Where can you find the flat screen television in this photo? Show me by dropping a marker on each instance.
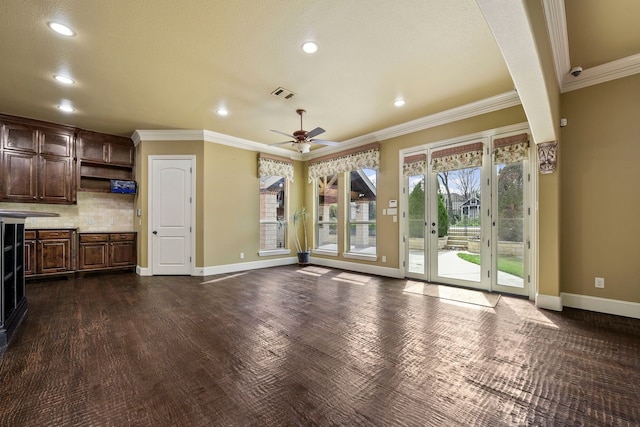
(123, 186)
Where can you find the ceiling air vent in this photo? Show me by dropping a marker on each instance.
(283, 93)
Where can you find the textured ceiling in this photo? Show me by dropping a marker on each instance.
(167, 64)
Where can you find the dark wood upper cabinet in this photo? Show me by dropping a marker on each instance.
(57, 143)
(19, 176)
(37, 161)
(56, 179)
(19, 137)
(108, 149)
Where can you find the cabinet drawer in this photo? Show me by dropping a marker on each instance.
(123, 236)
(54, 234)
(29, 234)
(84, 238)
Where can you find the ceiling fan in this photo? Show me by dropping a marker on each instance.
(302, 139)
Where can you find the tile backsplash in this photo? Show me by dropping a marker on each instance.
(94, 212)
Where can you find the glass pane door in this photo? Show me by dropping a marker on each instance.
(510, 231)
(456, 228)
(414, 235)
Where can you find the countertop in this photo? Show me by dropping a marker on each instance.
(25, 214)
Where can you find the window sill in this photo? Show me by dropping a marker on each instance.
(362, 257)
(273, 252)
(324, 252)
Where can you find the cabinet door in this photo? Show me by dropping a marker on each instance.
(19, 137)
(29, 257)
(96, 151)
(56, 142)
(19, 171)
(121, 154)
(123, 253)
(56, 180)
(93, 255)
(94, 251)
(54, 255)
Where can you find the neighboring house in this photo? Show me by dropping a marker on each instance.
(470, 208)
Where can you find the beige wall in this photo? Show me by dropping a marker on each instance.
(227, 200)
(600, 177)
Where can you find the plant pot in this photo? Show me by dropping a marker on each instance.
(304, 257)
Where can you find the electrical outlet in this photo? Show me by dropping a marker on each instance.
(599, 282)
(241, 255)
(384, 258)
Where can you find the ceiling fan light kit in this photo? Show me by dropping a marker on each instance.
(302, 139)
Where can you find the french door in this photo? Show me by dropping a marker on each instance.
(466, 214)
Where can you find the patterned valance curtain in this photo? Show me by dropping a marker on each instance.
(511, 149)
(275, 166)
(367, 157)
(460, 157)
(414, 165)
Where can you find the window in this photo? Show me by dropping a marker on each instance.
(273, 234)
(361, 218)
(327, 213)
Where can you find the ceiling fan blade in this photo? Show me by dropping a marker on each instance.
(316, 131)
(283, 133)
(325, 142)
(281, 143)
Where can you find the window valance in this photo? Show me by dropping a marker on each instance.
(269, 165)
(460, 157)
(414, 165)
(367, 156)
(511, 149)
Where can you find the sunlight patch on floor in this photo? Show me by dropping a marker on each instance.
(355, 279)
(223, 278)
(314, 271)
(529, 312)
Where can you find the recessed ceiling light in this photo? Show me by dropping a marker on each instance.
(64, 79)
(222, 112)
(61, 29)
(399, 102)
(66, 108)
(310, 47)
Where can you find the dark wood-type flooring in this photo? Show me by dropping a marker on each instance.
(312, 346)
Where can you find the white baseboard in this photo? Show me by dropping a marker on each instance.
(602, 305)
(358, 267)
(143, 271)
(549, 302)
(243, 266)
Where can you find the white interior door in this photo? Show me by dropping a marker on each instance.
(172, 215)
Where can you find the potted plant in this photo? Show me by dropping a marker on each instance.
(300, 216)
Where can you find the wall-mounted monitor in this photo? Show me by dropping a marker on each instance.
(123, 186)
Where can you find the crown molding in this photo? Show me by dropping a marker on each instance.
(556, 18)
(603, 73)
(210, 136)
(483, 106)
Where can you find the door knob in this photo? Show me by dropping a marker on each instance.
(155, 232)
(433, 231)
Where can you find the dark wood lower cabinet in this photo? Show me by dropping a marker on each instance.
(99, 251)
(49, 252)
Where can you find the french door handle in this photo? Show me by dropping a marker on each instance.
(433, 231)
